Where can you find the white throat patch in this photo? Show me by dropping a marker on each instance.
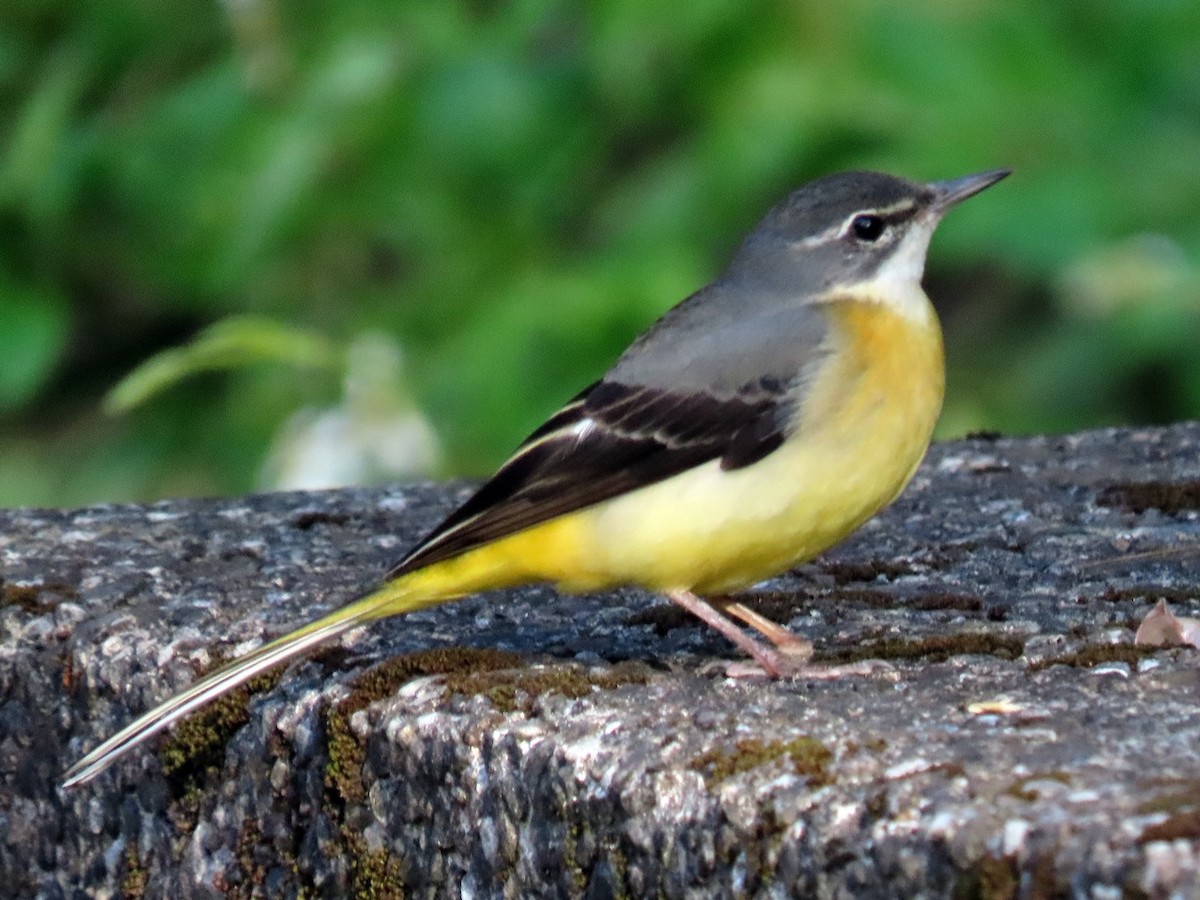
(897, 282)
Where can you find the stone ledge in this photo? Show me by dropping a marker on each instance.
(589, 746)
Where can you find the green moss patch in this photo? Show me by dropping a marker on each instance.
(198, 742)
(1148, 593)
(945, 600)
(257, 857)
(374, 874)
(1180, 826)
(937, 648)
(36, 598)
(194, 750)
(992, 878)
(377, 873)
(845, 572)
(1170, 795)
(808, 756)
(1171, 497)
(343, 773)
(516, 690)
(135, 877)
(1024, 789)
(1096, 654)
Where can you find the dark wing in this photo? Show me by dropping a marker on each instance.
(611, 439)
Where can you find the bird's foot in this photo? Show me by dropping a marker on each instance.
(809, 671)
(789, 656)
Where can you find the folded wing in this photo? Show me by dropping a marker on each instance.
(611, 439)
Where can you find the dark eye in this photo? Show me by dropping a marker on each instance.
(867, 227)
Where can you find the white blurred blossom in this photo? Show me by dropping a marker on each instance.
(375, 434)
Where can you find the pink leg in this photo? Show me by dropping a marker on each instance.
(705, 612)
(791, 645)
(788, 658)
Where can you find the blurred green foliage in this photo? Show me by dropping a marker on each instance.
(514, 190)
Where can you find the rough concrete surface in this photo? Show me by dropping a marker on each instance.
(593, 746)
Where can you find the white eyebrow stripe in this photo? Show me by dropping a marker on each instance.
(882, 212)
(836, 231)
(824, 237)
(903, 203)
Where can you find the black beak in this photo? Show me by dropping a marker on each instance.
(947, 193)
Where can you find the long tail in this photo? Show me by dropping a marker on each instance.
(393, 597)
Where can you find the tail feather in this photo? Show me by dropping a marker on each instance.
(391, 598)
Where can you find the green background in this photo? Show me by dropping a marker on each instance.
(511, 191)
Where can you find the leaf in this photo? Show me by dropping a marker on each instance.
(234, 343)
(33, 334)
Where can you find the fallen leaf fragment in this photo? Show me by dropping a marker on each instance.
(1162, 628)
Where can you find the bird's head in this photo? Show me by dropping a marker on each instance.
(851, 233)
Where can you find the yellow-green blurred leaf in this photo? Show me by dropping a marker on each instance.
(230, 344)
(33, 333)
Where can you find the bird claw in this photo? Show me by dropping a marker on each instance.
(803, 669)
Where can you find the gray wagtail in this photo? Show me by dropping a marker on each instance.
(754, 425)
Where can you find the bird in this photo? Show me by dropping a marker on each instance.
(754, 425)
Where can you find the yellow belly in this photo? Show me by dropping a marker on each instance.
(866, 423)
